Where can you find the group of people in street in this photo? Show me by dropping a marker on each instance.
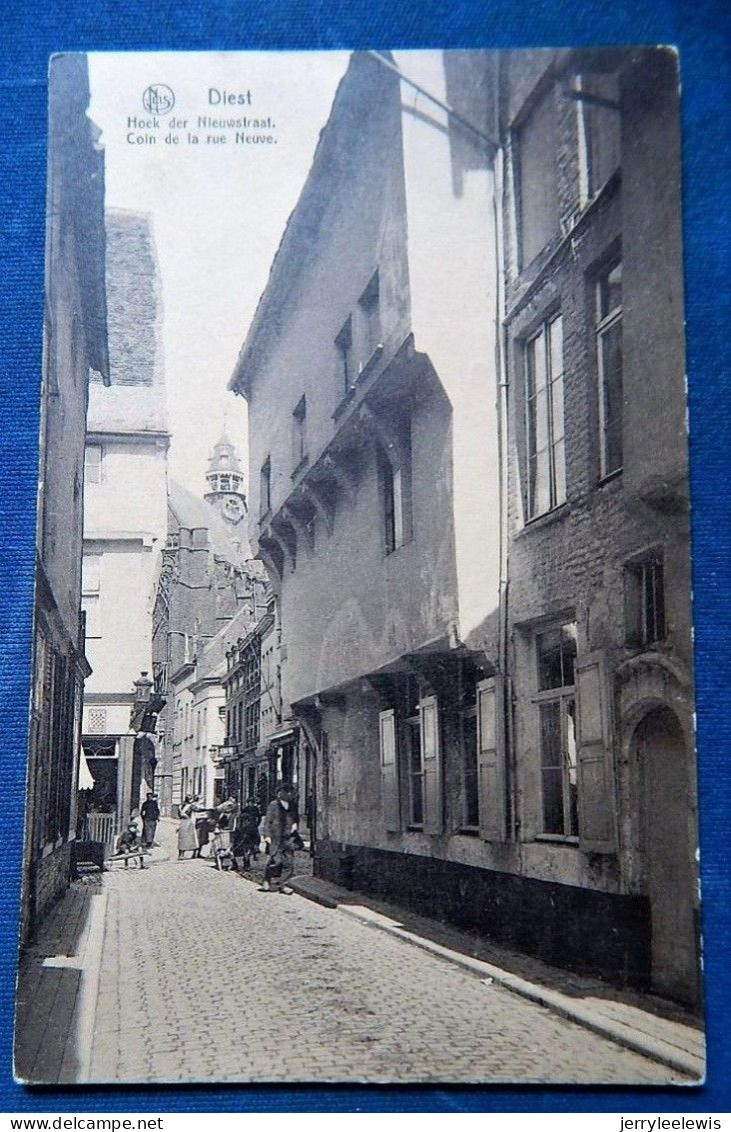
(139, 836)
(238, 832)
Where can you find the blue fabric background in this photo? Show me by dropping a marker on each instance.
(700, 28)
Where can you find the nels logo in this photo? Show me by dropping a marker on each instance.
(158, 99)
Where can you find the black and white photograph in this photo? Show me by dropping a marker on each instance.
(362, 726)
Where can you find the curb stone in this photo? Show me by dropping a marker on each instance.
(682, 1061)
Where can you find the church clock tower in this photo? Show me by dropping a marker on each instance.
(225, 486)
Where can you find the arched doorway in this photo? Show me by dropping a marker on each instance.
(666, 840)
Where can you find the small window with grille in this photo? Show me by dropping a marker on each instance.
(644, 583)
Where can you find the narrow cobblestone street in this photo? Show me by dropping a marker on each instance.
(204, 978)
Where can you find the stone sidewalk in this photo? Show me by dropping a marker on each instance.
(197, 976)
(642, 1022)
(56, 992)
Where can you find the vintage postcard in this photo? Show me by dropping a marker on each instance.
(361, 742)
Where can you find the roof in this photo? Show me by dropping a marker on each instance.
(364, 82)
(212, 661)
(191, 512)
(224, 457)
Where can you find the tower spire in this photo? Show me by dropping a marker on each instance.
(225, 480)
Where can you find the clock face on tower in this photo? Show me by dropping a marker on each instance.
(233, 508)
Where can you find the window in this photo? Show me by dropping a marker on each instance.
(645, 602)
(556, 705)
(544, 418)
(598, 130)
(423, 767)
(536, 143)
(609, 368)
(251, 737)
(344, 346)
(299, 432)
(97, 721)
(412, 727)
(160, 676)
(416, 773)
(265, 487)
(91, 565)
(395, 476)
(394, 511)
(93, 463)
(370, 319)
(470, 817)
(251, 676)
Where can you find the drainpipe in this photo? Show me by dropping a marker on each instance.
(497, 156)
(503, 450)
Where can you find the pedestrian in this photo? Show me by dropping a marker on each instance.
(227, 812)
(128, 841)
(187, 840)
(150, 814)
(205, 822)
(245, 844)
(279, 826)
(136, 821)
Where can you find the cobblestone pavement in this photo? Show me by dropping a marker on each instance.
(204, 978)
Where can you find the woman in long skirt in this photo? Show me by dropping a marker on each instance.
(246, 835)
(187, 839)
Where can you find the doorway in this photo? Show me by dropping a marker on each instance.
(667, 843)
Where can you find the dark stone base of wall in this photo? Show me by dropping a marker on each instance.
(594, 933)
(53, 874)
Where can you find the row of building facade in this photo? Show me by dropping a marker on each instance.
(141, 586)
(75, 346)
(169, 587)
(469, 486)
(454, 610)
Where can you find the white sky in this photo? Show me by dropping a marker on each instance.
(218, 211)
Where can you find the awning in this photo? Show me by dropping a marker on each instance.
(86, 778)
(286, 735)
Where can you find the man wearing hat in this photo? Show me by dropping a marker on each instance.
(279, 825)
(150, 813)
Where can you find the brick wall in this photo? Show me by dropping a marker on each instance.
(52, 878)
(570, 563)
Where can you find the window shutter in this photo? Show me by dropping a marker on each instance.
(597, 810)
(398, 508)
(389, 771)
(432, 762)
(491, 759)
